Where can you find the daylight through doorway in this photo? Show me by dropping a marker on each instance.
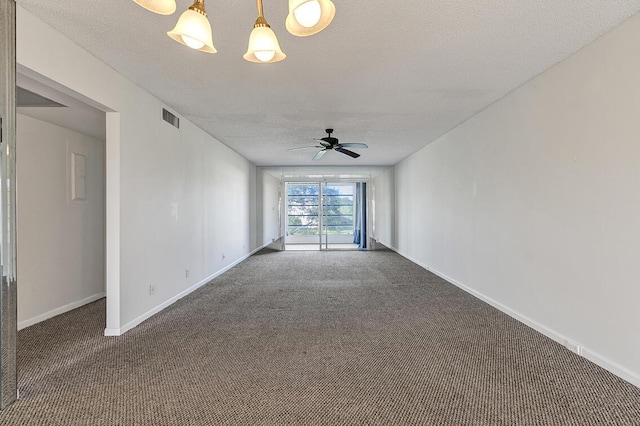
(321, 216)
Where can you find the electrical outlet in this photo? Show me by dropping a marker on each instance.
(573, 347)
(152, 289)
(186, 273)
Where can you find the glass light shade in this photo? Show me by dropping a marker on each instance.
(305, 8)
(263, 46)
(308, 13)
(161, 7)
(193, 30)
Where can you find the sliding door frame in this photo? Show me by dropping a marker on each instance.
(323, 245)
(8, 290)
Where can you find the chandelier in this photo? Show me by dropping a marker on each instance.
(306, 17)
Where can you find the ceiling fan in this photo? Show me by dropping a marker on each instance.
(328, 143)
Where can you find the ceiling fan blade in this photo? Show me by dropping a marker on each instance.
(320, 154)
(347, 152)
(354, 145)
(305, 147)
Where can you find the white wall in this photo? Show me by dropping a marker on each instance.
(60, 242)
(534, 203)
(269, 214)
(176, 199)
(383, 199)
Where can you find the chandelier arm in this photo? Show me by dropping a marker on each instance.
(259, 6)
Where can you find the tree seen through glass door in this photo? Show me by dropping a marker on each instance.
(304, 209)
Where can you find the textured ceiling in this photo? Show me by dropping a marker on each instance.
(395, 75)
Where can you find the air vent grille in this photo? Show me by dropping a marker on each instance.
(170, 118)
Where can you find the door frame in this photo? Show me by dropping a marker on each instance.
(8, 292)
(321, 184)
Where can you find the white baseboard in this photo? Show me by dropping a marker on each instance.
(120, 331)
(60, 310)
(607, 364)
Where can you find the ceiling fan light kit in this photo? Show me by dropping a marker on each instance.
(161, 7)
(193, 29)
(306, 17)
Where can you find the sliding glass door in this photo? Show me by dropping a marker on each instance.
(320, 216)
(303, 220)
(338, 215)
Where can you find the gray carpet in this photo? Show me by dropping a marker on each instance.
(331, 338)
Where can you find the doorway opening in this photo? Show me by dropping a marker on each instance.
(322, 216)
(61, 202)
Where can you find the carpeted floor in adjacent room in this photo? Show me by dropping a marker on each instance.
(313, 338)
